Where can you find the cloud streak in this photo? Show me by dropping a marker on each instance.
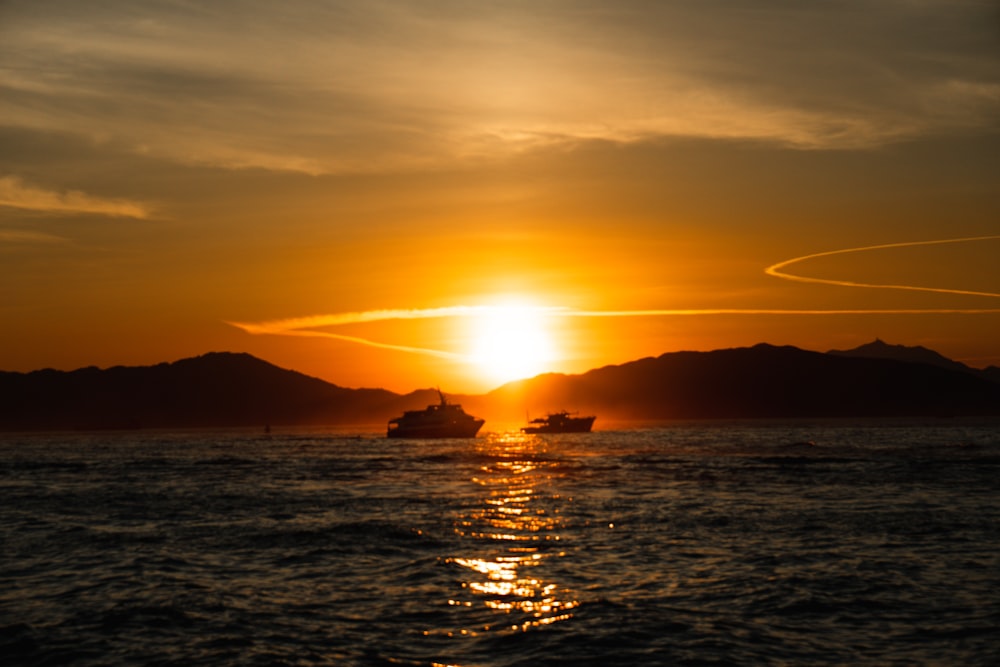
(18, 236)
(15, 193)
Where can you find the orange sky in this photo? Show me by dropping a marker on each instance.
(177, 179)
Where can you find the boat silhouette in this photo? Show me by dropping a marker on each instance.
(559, 422)
(444, 420)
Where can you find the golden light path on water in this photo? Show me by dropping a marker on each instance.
(510, 536)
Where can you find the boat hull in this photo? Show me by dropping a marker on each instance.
(465, 430)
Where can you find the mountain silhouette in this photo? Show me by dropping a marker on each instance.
(238, 390)
(215, 389)
(879, 349)
(763, 381)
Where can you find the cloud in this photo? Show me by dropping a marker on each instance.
(20, 236)
(15, 193)
(383, 85)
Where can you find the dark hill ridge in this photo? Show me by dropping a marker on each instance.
(216, 389)
(763, 382)
(238, 390)
(879, 349)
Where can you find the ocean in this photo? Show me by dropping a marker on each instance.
(764, 543)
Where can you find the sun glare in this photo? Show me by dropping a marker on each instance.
(511, 342)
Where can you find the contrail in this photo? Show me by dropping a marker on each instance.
(305, 326)
(301, 327)
(778, 311)
(338, 319)
(309, 325)
(776, 269)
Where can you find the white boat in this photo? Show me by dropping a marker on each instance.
(444, 420)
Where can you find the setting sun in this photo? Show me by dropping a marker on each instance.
(511, 342)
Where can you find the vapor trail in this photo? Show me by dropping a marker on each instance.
(301, 326)
(778, 311)
(338, 319)
(776, 269)
(309, 325)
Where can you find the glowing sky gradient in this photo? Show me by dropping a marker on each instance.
(311, 325)
(342, 188)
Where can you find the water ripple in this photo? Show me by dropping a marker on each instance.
(687, 545)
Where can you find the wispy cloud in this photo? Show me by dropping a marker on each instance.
(20, 236)
(385, 85)
(14, 192)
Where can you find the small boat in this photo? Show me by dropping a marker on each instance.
(444, 420)
(560, 422)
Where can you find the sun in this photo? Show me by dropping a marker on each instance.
(511, 342)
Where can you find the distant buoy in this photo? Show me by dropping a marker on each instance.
(801, 443)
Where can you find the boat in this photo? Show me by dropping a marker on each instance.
(559, 422)
(444, 420)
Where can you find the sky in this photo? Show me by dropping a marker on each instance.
(456, 194)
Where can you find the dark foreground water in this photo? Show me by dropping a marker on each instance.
(689, 545)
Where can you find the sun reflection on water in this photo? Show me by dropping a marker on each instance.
(512, 535)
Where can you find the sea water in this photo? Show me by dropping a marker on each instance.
(693, 544)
